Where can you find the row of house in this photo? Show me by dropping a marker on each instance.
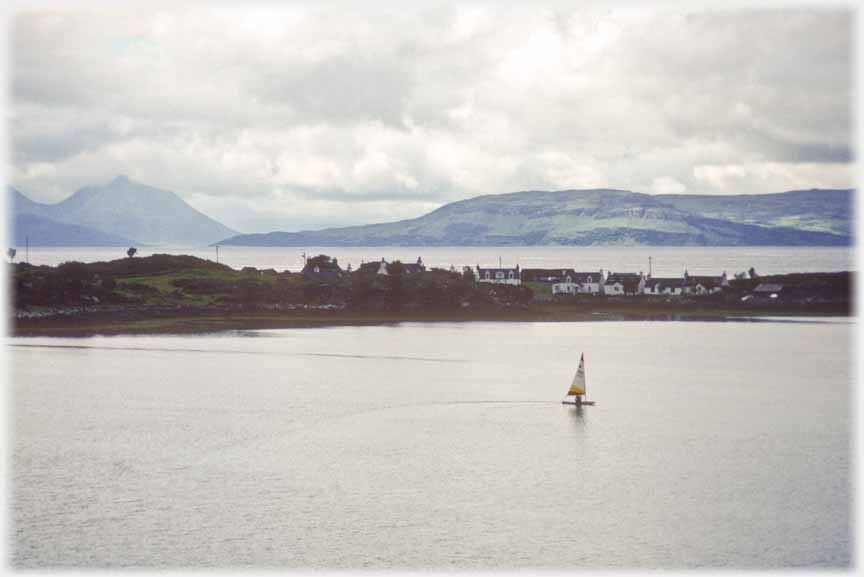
(328, 271)
(570, 281)
(562, 281)
(382, 267)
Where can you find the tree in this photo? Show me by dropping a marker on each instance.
(11, 253)
(396, 268)
(131, 252)
(752, 272)
(322, 261)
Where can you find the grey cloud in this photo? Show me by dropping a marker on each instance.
(370, 107)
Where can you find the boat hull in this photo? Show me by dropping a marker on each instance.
(577, 404)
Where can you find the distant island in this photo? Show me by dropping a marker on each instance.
(122, 212)
(602, 217)
(126, 212)
(170, 293)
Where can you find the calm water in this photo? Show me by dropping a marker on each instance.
(436, 446)
(667, 261)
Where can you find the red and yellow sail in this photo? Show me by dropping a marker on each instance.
(577, 387)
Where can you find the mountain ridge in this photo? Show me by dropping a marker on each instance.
(816, 217)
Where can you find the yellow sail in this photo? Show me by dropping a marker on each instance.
(577, 387)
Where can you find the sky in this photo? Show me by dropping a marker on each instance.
(298, 116)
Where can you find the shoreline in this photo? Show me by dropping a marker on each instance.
(167, 294)
(136, 322)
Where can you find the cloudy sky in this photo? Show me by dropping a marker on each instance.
(304, 116)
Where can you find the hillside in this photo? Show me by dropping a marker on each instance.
(127, 209)
(40, 231)
(814, 210)
(600, 217)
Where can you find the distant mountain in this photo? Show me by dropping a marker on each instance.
(40, 231)
(601, 217)
(20, 204)
(127, 209)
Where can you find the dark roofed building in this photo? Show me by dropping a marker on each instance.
(414, 268)
(705, 284)
(322, 269)
(624, 283)
(374, 267)
(548, 275)
(765, 288)
(664, 286)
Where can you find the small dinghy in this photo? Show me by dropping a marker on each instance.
(577, 387)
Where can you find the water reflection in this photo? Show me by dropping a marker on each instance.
(577, 414)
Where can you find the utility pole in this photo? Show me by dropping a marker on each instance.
(27, 249)
(499, 263)
(217, 254)
(649, 266)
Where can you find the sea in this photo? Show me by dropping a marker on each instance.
(441, 446)
(660, 261)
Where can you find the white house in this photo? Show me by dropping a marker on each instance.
(664, 286)
(702, 285)
(580, 283)
(499, 275)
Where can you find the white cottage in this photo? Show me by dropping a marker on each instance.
(664, 286)
(580, 283)
(499, 275)
(705, 285)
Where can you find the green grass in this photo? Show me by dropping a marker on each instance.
(163, 283)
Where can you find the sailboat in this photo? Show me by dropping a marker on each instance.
(577, 387)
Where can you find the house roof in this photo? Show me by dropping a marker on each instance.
(494, 270)
(582, 277)
(706, 281)
(370, 267)
(630, 281)
(413, 267)
(326, 272)
(546, 274)
(665, 282)
(622, 277)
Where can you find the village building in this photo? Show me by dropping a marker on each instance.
(622, 283)
(548, 275)
(768, 290)
(414, 268)
(580, 283)
(702, 285)
(322, 270)
(664, 286)
(374, 267)
(499, 275)
(381, 267)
